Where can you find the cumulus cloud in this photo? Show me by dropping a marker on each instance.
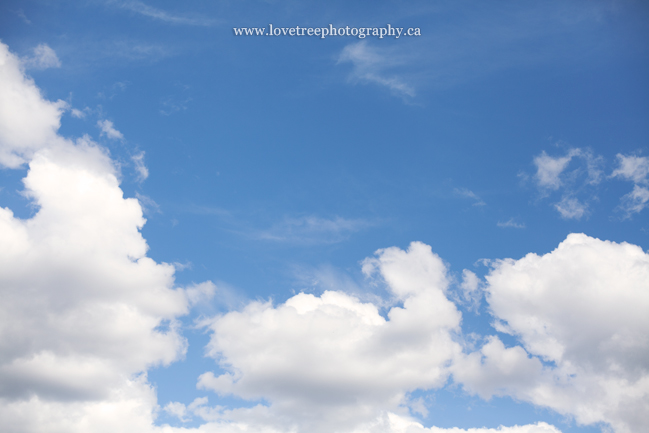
(108, 129)
(331, 362)
(85, 312)
(582, 310)
(370, 65)
(26, 119)
(43, 57)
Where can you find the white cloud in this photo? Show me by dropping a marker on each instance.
(392, 423)
(79, 114)
(510, 223)
(635, 169)
(312, 230)
(331, 363)
(464, 192)
(369, 65)
(635, 201)
(162, 15)
(549, 169)
(471, 289)
(26, 119)
(576, 185)
(182, 412)
(140, 168)
(581, 308)
(44, 57)
(84, 311)
(108, 129)
(571, 208)
(148, 205)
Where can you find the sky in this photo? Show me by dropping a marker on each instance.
(441, 232)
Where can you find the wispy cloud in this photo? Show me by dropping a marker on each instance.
(22, 16)
(511, 223)
(635, 169)
(108, 129)
(149, 206)
(370, 65)
(464, 192)
(471, 290)
(571, 208)
(171, 105)
(574, 174)
(43, 57)
(162, 15)
(140, 167)
(79, 114)
(312, 230)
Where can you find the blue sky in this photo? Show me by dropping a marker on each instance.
(487, 182)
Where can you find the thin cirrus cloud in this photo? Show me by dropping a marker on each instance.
(85, 315)
(511, 223)
(446, 55)
(161, 15)
(312, 230)
(372, 65)
(464, 192)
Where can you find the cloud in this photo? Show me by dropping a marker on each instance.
(549, 169)
(635, 201)
(312, 230)
(577, 185)
(470, 290)
(162, 15)
(26, 119)
(580, 313)
(44, 57)
(464, 192)
(22, 16)
(84, 311)
(171, 105)
(331, 362)
(369, 65)
(138, 160)
(635, 169)
(511, 223)
(79, 114)
(108, 129)
(571, 208)
(148, 205)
